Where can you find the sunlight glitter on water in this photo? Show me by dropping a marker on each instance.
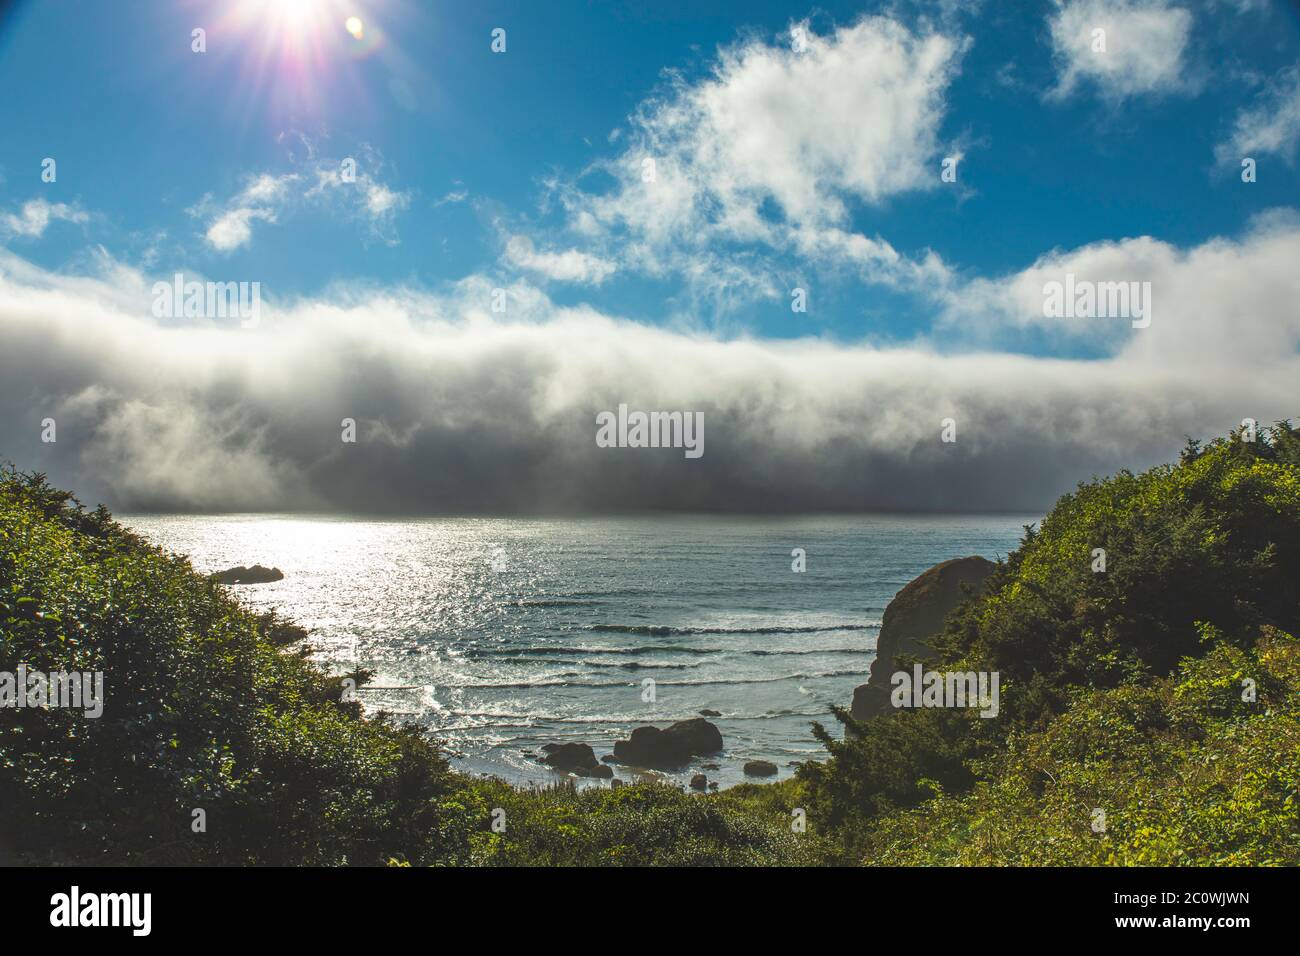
(500, 635)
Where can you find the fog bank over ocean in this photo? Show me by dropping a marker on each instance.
(460, 411)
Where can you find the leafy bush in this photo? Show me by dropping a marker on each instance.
(1184, 771)
(643, 824)
(1200, 557)
(203, 711)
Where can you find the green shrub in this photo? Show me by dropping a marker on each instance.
(642, 825)
(1185, 772)
(204, 711)
(1199, 557)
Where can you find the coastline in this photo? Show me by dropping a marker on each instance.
(565, 642)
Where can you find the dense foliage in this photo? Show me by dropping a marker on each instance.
(648, 823)
(1181, 771)
(203, 712)
(1201, 584)
(1149, 712)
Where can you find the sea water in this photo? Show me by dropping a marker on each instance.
(499, 635)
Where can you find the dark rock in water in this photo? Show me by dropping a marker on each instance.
(710, 766)
(713, 785)
(615, 783)
(916, 614)
(609, 758)
(254, 575)
(571, 757)
(710, 713)
(699, 782)
(760, 768)
(672, 747)
(600, 771)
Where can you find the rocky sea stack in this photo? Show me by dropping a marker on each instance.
(915, 615)
(661, 749)
(577, 759)
(254, 575)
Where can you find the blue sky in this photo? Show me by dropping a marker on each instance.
(645, 188)
(143, 129)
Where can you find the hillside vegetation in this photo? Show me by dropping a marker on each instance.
(1148, 713)
(1121, 690)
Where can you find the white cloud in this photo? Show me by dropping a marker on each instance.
(570, 265)
(266, 197)
(1219, 305)
(380, 200)
(1272, 126)
(233, 228)
(267, 188)
(35, 216)
(230, 225)
(874, 259)
(454, 196)
(362, 195)
(773, 147)
(1145, 45)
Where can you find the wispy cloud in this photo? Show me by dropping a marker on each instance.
(230, 224)
(233, 228)
(453, 196)
(35, 216)
(1270, 126)
(348, 186)
(352, 187)
(570, 265)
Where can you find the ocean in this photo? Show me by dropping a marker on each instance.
(499, 635)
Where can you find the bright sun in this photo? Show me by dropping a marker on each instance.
(297, 12)
(294, 19)
(297, 47)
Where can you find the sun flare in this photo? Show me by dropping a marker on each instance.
(291, 14)
(300, 50)
(299, 22)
